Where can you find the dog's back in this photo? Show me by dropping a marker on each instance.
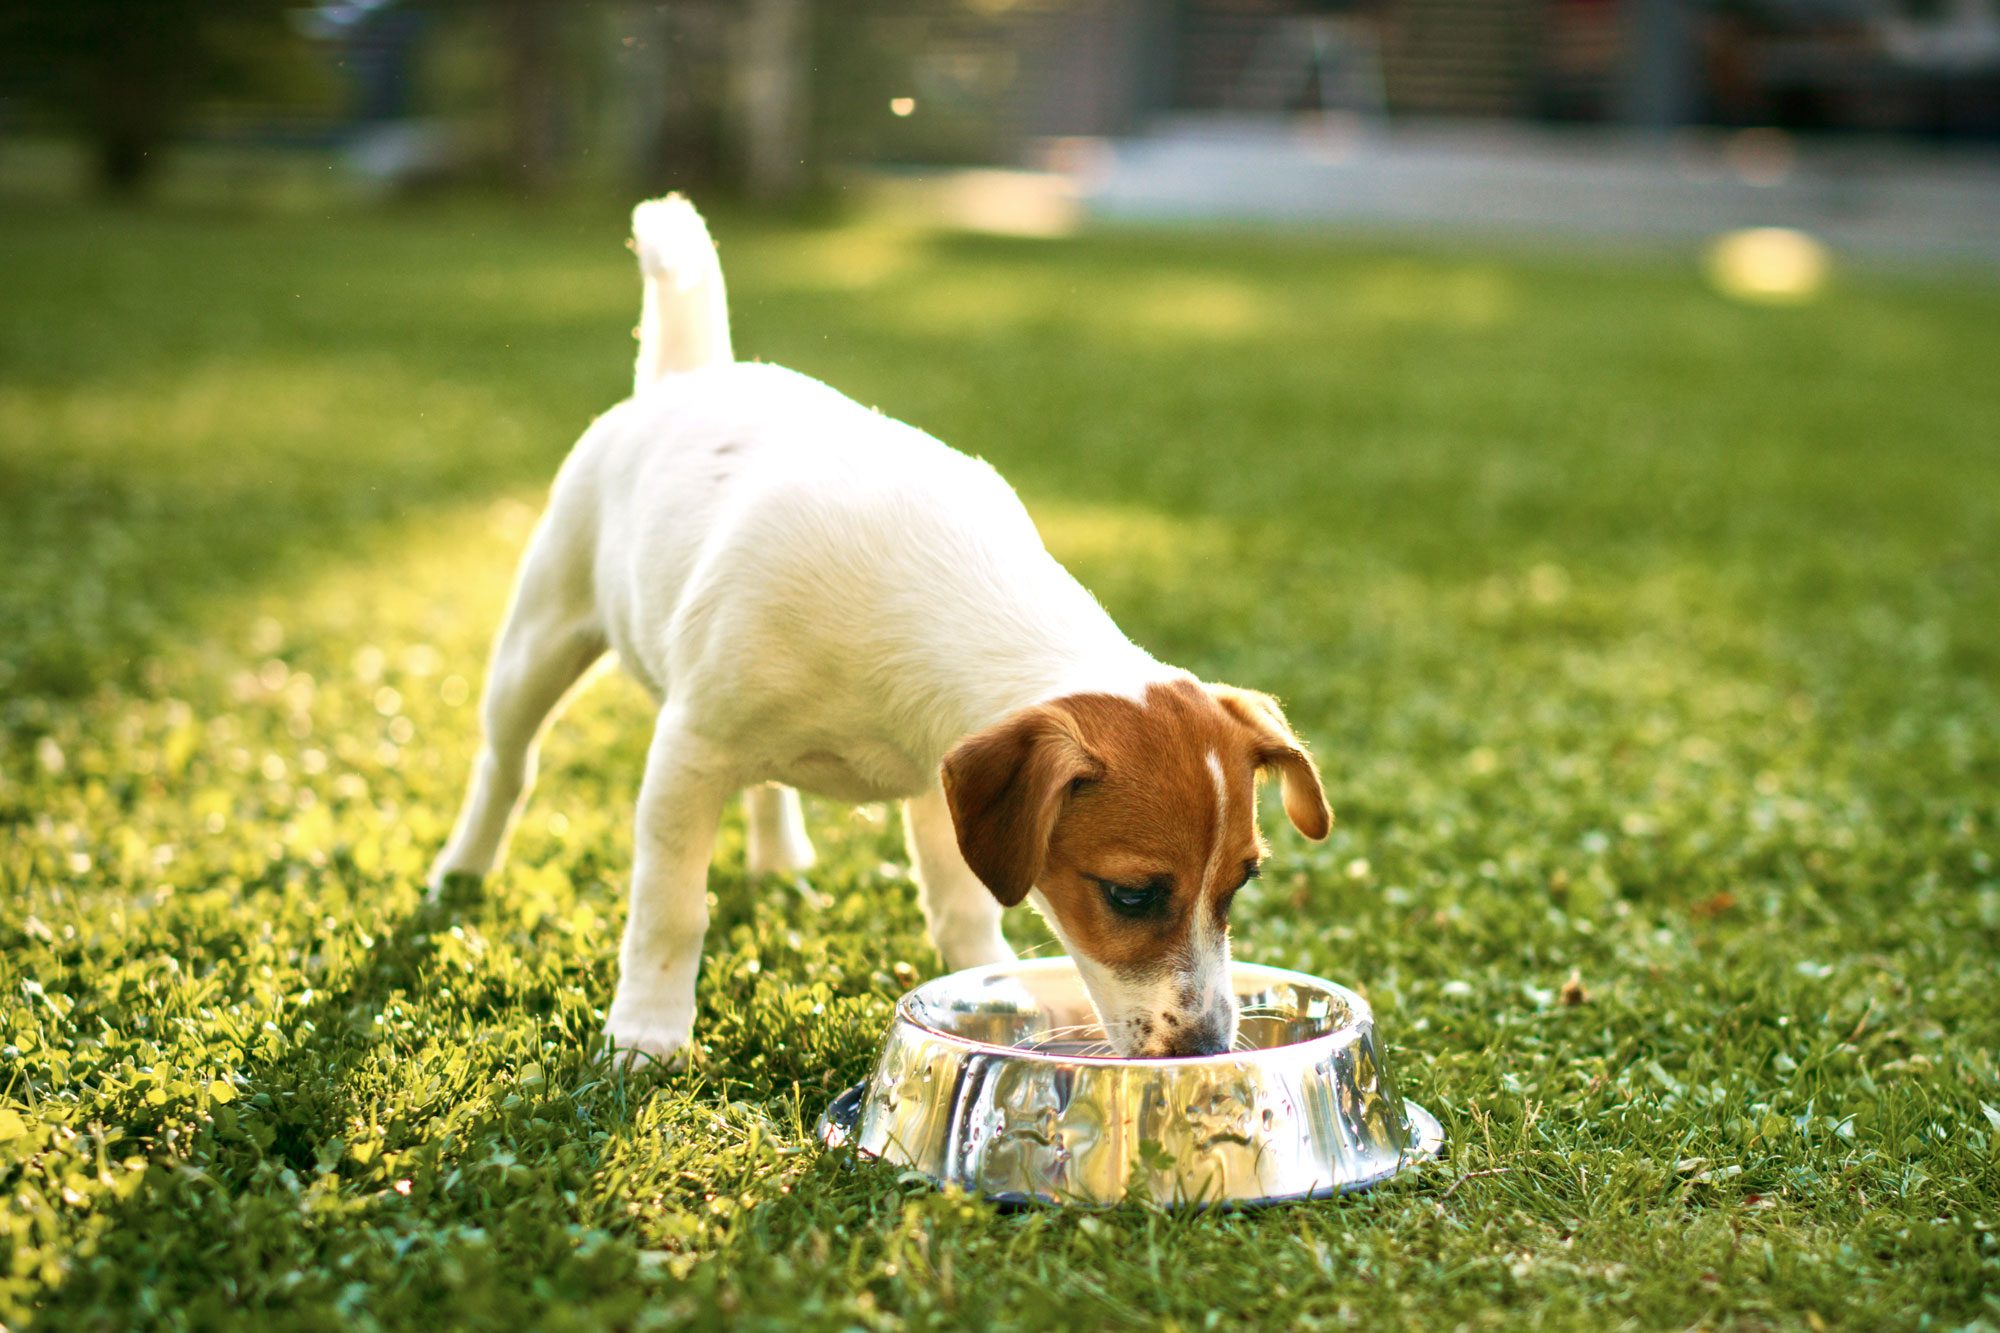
(763, 543)
(764, 547)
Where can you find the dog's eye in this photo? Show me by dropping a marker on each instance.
(1135, 901)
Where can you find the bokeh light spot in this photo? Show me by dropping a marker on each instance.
(1770, 265)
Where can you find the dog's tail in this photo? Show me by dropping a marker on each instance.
(684, 321)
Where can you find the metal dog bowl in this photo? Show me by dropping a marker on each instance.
(998, 1080)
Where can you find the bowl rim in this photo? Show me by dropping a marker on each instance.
(1361, 1018)
(836, 1125)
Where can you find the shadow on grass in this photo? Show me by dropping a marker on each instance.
(187, 1241)
(167, 439)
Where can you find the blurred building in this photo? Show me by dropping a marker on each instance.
(1869, 123)
(770, 96)
(1098, 67)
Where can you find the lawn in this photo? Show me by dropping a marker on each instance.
(1644, 638)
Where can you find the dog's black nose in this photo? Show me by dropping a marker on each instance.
(1198, 1041)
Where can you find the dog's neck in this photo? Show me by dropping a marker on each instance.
(1125, 670)
(1068, 645)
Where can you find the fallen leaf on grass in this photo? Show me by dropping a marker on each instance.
(1714, 906)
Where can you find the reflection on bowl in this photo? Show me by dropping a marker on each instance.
(999, 1080)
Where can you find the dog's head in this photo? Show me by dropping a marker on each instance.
(1136, 822)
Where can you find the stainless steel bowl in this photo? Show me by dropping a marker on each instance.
(997, 1080)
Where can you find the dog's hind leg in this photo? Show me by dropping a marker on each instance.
(680, 801)
(964, 915)
(775, 831)
(550, 639)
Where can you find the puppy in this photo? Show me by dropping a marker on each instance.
(824, 599)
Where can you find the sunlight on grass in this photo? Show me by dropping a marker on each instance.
(1673, 673)
(1199, 308)
(970, 304)
(847, 259)
(512, 297)
(1175, 307)
(1104, 538)
(1446, 296)
(131, 422)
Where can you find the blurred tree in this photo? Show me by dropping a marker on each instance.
(528, 48)
(717, 91)
(533, 92)
(673, 83)
(126, 73)
(722, 91)
(772, 97)
(959, 62)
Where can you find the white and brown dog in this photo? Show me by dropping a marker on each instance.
(825, 598)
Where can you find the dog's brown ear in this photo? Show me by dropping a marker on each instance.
(1006, 786)
(1277, 747)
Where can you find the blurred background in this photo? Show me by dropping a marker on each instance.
(1870, 123)
(1581, 413)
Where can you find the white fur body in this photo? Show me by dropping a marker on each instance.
(817, 596)
(833, 597)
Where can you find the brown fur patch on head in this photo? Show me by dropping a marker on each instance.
(1006, 786)
(1096, 798)
(1277, 747)
(1173, 805)
(1098, 788)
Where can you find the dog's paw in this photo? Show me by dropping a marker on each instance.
(455, 862)
(639, 1045)
(452, 887)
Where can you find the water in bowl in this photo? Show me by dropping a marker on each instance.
(1051, 1014)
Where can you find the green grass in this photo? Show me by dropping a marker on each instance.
(1641, 635)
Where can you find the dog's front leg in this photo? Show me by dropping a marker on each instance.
(680, 801)
(964, 915)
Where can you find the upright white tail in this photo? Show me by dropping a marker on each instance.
(684, 321)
